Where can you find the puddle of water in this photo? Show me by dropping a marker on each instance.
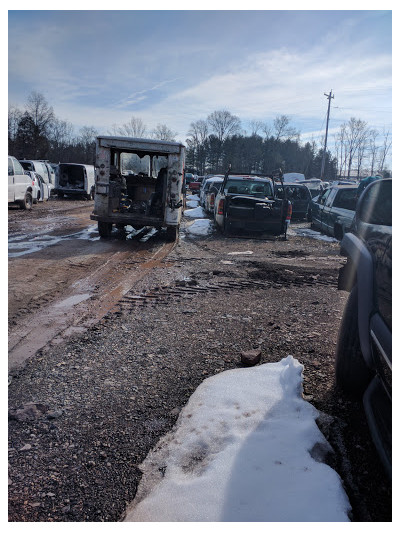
(28, 244)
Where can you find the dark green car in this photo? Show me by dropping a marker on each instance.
(332, 212)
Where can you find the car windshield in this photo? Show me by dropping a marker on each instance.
(249, 187)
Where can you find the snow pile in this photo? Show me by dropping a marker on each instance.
(241, 451)
(201, 227)
(192, 203)
(198, 212)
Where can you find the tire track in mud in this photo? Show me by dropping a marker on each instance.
(88, 300)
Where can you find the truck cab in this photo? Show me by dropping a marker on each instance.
(139, 182)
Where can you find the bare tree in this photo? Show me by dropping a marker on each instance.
(354, 132)
(387, 143)
(42, 114)
(267, 130)
(283, 130)
(163, 133)
(14, 117)
(223, 124)
(373, 149)
(135, 127)
(198, 134)
(256, 126)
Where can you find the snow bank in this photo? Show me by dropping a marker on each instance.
(240, 451)
(201, 227)
(198, 212)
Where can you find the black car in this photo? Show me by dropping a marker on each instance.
(299, 196)
(364, 348)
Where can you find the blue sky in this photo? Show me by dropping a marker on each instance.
(99, 68)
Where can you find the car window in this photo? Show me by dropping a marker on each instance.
(346, 199)
(376, 204)
(253, 188)
(18, 168)
(10, 167)
(322, 199)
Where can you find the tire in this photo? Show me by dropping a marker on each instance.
(172, 233)
(105, 229)
(60, 195)
(351, 371)
(27, 202)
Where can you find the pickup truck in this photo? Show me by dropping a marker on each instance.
(332, 212)
(364, 347)
(251, 203)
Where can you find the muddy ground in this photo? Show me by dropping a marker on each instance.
(152, 323)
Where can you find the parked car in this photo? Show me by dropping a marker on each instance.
(364, 347)
(20, 185)
(299, 196)
(196, 184)
(189, 177)
(332, 212)
(314, 185)
(210, 196)
(51, 173)
(75, 179)
(251, 203)
(205, 186)
(40, 189)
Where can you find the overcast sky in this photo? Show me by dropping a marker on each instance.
(99, 68)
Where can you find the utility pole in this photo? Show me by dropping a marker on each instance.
(329, 96)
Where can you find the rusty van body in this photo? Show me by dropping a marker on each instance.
(139, 182)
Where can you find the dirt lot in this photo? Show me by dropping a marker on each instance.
(138, 326)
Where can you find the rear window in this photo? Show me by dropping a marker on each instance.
(249, 187)
(346, 199)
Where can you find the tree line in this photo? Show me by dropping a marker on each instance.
(212, 144)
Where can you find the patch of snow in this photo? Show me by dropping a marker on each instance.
(248, 252)
(306, 232)
(192, 203)
(198, 212)
(241, 451)
(201, 227)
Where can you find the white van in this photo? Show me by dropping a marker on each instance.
(36, 166)
(20, 185)
(75, 179)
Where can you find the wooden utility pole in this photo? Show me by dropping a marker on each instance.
(329, 96)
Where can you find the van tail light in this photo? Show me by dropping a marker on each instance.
(212, 199)
(289, 212)
(221, 207)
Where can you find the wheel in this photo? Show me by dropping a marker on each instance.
(26, 203)
(352, 373)
(60, 194)
(104, 229)
(309, 216)
(172, 233)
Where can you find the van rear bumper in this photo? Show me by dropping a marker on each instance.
(129, 219)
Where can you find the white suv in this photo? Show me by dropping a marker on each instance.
(20, 186)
